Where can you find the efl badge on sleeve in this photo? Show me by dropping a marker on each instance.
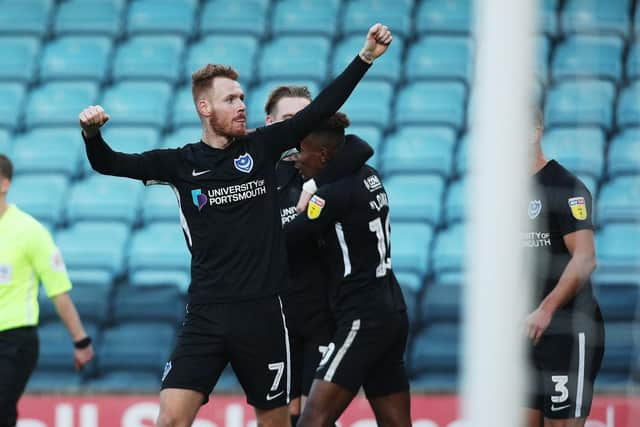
(315, 207)
(578, 208)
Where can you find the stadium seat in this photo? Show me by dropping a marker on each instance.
(56, 351)
(94, 278)
(462, 156)
(543, 48)
(159, 246)
(94, 246)
(548, 18)
(161, 17)
(624, 153)
(257, 98)
(12, 95)
(25, 17)
(373, 136)
(595, 16)
(148, 58)
(633, 61)
(618, 354)
(184, 135)
(579, 149)
(448, 252)
(307, 17)
(27, 192)
(441, 303)
(125, 382)
(48, 150)
(618, 303)
(222, 16)
(370, 104)
(407, 256)
(431, 103)
(628, 107)
(416, 197)
(418, 149)
(619, 200)
(160, 304)
(93, 304)
(589, 56)
(104, 198)
(159, 204)
(388, 67)
(179, 279)
(359, 15)
(436, 349)
(440, 57)
(237, 51)
(618, 254)
(138, 103)
(44, 380)
(183, 111)
(443, 16)
(100, 17)
(19, 58)
(288, 57)
(408, 280)
(59, 103)
(454, 205)
(586, 102)
(5, 141)
(76, 58)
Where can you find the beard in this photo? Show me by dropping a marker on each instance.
(225, 129)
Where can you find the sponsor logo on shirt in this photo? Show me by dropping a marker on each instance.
(244, 163)
(535, 206)
(288, 214)
(578, 208)
(372, 183)
(236, 193)
(198, 198)
(536, 239)
(316, 204)
(5, 273)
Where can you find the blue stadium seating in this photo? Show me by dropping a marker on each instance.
(436, 353)
(443, 16)
(59, 103)
(92, 302)
(462, 155)
(586, 102)
(454, 205)
(359, 15)
(125, 381)
(628, 108)
(289, 57)
(448, 252)
(373, 136)
(388, 67)
(158, 246)
(184, 111)
(19, 58)
(370, 104)
(440, 57)
(305, 17)
(160, 304)
(431, 103)
(44, 381)
(5, 141)
(48, 150)
(12, 95)
(25, 16)
(633, 61)
(408, 281)
(161, 17)
(618, 303)
(594, 16)
(182, 136)
(104, 198)
(138, 103)
(589, 56)
(159, 204)
(179, 279)
(415, 197)
(406, 255)
(27, 193)
(410, 296)
(548, 18)
(636, 22)
(237, 51)
(100, 17)
(85, 58)
(420, 150)
(619, 200)
(257, 98)
(94, 246)
(543, 48)
(579, 149)
(149, 57)
(624, 153)
(617, 361)
(222, 16)
(618, 254)
(441, 303)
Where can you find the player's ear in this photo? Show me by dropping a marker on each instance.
(204, 108)
(4, 185)
(269, 120)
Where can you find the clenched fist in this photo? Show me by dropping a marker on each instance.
(378, 40)
(91, 120)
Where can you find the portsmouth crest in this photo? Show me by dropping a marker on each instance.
(316, 204)
(244, 163)
(535, 206)
(578, 208)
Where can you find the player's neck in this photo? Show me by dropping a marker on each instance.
(214, 140)
(3, 205)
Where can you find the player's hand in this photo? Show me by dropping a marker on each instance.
(538, 322)
(378, 40)
(303, 201)
(82, 356)
(91, 120)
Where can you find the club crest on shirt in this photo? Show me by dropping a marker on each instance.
(244, 163)
(578, 208)
(315, 207)
(535, 206)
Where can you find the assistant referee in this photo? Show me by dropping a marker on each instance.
(28, 255)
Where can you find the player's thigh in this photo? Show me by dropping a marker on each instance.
(276, 417)
(576, 422)
(533, 418)
(314, 348)
(393, 410)
(260, 352)
(326, 402)
(178, 407)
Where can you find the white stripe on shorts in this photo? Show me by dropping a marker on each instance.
(288, 351)
(581, 353)
(355, 327)
(344, 248)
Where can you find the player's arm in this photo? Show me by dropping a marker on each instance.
(288, 133)
(154, 165)
(579, 238)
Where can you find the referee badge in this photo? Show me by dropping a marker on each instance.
(578, 208)
(315, 207)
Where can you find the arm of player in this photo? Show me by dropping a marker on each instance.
(351, 157)
(288, 133)
(69, 316)
(154, 165)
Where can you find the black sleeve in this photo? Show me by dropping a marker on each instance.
(154, 165)
(574, 207)
(351, 157)
(288, 133)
